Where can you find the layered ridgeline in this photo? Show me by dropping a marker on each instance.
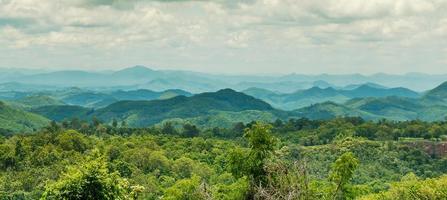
(304, 98)
(224, 106)
(140, 77)
(83, 97)
(430, 106)
(14, 120)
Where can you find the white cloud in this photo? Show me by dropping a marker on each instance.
(209, 30)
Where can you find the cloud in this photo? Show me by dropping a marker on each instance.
(212, 29)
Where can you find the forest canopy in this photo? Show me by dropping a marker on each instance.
(343, 158)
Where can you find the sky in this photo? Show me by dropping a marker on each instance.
(227, 36)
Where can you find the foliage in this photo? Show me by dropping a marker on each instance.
(341, 174)
(299, 158)
(413, 188)
(92, 181)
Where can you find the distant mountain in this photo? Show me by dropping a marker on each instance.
(136, 72)
(261, 93)
(430, 107)
(15, 120)
(67, 78)
(355, 86)
(314, 95)
(95, 99)
(141, 113)
(140, 77)
(371, 91)
(329, 110)
(35, 101)
(22, 87)
(394, 108)
(227, 106)
(279, 86)
(88, 99)
(62, 112)
(437, 95)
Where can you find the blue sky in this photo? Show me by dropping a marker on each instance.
(227, 36)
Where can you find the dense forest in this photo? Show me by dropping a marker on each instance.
(342, 158)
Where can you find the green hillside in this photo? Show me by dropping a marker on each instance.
(436, 96)
(225, 119)
(59, 113)
(141, 113)
(35, 101)
(329, 110)
(439, 92)
(14, 120)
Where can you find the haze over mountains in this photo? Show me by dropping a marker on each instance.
(140, 77)
(142, 97)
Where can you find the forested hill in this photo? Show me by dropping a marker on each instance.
(343, 158)
(14, 120)
(142, 113)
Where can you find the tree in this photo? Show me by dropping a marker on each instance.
(185, 189)
(123, 124)
(114, 123)
(261, 145)
(90, 181)
(342, 171)
(95, 121)
(53, 127)
(75, 123)
(168, 129)
(19, 150)
(190, 130)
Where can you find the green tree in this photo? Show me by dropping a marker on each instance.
(114, 123)
(168, 129)
(341, 173)
(20, 152)
(261, 144)
(190, 130)
(185, 189)
(90, 181)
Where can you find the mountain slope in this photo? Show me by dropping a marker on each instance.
(314, 95)
(369, 91)
(436, 96)
(59, 113)
(14, 120)
(93, 99)
(329, 110)
(34, 101)
(140, 113)
(393, 108)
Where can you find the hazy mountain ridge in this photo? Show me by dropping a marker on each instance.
(140, 77)
(143, 107)
(85, 98)
(391, 107)
(303, 98)
(225, 105)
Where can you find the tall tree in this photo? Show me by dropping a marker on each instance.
(342, 171)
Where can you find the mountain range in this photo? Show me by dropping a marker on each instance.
(83, 97)
(229, 106)
(140, 77)
(143, 113)
(26, 105)
(15, 120)
(303, 98)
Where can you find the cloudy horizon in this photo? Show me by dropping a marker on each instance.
(246, 36)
